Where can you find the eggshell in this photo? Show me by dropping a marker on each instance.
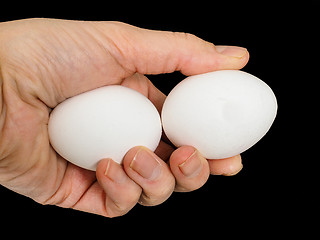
(103, 123)
(220, 113)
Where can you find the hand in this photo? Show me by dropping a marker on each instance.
(45, 61)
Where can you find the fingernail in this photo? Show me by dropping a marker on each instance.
(192, 166)
(234, 172)
(146, 164)
(114, 172)
(232, 51)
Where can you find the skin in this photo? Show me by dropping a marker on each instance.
(45, 61)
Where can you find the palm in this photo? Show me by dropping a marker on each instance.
(64, 63)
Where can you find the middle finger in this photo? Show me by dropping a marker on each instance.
(152, 174)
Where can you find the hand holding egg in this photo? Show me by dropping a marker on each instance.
(39, 73)
(221, 113)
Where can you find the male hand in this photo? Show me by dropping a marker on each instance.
(45, 61)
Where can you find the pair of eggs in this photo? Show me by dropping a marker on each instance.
(221, 113)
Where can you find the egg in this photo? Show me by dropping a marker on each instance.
(221, 113)
(103, 123)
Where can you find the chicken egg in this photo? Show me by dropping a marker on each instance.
(103, 123)
(221, 113)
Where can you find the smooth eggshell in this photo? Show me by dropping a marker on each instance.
(103, 123)
(220, 113)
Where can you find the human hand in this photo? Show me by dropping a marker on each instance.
(45, 61)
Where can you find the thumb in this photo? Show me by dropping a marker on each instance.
(154, 52)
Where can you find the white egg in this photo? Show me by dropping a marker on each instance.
(103, 123)
(220, 113)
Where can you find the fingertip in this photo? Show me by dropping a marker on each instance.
(231, 57)
(232, 51)
(129, 156)
(227, 166)
(181, 154)
(190, 168)
(107, 168)
(102, 167)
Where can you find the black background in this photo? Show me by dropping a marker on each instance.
(263, 198)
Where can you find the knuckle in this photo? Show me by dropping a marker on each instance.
(157, 195)
(116, 210)
(186, 36)
(149, 200)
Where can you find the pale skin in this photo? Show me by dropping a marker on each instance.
(45, 61)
